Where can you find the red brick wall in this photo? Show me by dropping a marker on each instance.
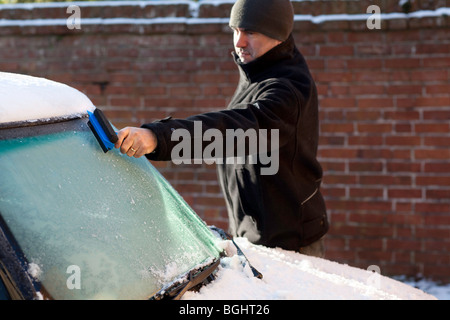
(384, 106)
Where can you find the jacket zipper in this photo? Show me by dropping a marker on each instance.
(314, 193)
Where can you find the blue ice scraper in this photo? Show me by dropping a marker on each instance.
(102, 130)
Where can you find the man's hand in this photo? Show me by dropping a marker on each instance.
(136, 142)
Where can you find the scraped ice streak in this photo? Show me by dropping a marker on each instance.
(27, 98)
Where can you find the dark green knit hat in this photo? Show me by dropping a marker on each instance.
(273, 18)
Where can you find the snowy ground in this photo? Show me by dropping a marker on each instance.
(441, 292)
(291, 276)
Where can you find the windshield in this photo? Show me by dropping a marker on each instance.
(93, 225)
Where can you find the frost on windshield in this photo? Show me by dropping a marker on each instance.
(113, 217)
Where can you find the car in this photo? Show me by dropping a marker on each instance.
(79, 223)
(80, 220)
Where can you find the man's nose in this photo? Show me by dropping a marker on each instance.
(241, 40)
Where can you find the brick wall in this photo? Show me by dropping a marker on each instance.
(384, 105)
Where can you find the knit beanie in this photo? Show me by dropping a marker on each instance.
(273, 18)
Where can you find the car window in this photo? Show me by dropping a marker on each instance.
(93, 225)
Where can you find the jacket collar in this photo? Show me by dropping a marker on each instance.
(257, 69)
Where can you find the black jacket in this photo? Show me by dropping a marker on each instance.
(275, 91)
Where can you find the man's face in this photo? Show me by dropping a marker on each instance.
(251, 45)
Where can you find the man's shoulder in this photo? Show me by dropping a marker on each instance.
(280, 84)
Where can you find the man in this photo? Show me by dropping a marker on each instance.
(276, 92)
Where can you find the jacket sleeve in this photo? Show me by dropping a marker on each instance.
(275, 106)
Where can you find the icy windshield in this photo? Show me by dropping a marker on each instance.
(93, 225)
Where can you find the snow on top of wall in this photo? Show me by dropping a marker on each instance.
(30, 6)
(194, 8)
(27, 98)
(184, 20)
(143, 3)
(383, 16)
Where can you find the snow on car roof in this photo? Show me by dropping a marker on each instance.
(26, 98)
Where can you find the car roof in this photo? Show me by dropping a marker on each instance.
(25, 98)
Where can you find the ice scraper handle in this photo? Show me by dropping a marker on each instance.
(102, 130)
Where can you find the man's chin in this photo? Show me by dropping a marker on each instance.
(247, 59)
